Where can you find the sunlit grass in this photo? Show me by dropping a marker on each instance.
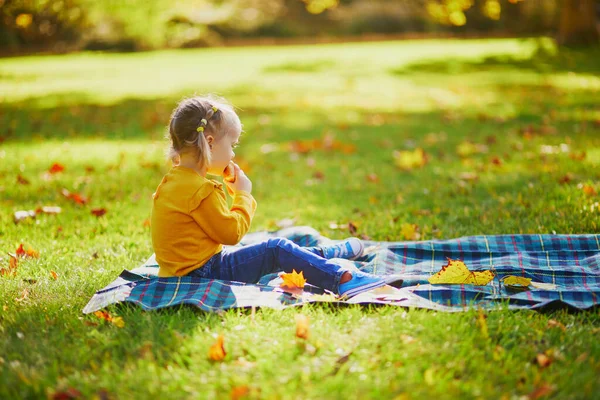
(103, 116)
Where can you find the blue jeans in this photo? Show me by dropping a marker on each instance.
(249, 263)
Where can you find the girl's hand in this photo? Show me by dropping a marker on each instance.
(241, 183)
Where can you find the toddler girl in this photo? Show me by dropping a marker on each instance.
(191, 220)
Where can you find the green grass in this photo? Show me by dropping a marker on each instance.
(109, 112)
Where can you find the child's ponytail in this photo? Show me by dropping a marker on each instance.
(193, 120)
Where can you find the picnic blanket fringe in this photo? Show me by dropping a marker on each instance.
(565, 267)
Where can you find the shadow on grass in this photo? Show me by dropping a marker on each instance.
(541, 61)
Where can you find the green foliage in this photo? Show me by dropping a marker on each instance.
(504, 136)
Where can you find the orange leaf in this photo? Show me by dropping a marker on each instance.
(76, 197)
(98, 212)
(29, 252)
(54, 275)
(217, 350)
(56, 167)
(293, 280)
(589, 190)
(103, 315)
(239, 392)
(543, 360)
(543, 390)
(13, 262)
(147, 223)
(302, 330)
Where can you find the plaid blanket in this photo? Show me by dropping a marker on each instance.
(565, 271)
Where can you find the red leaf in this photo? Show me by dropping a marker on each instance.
(56, 168)
(68, 394)
(98, 212)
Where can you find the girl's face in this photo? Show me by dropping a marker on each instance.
(222, 153)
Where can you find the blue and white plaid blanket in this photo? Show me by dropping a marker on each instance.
(565, 270)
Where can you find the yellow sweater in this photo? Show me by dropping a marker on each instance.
(191, 220)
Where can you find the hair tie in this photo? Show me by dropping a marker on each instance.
(200, 129)
(215, 109)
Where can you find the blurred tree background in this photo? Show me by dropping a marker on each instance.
(131, 25)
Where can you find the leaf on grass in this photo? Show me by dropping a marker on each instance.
(22, 180)
(13, 262)
(217, 350)
(239, 392)
(75, 197)
(555, 324)
(117, 321)
(23, 215)
(68, 394)
(589, 190)
(98, 212)
(456, 272)
(543, 360)
(24, 295)
(48, 210)
(516, 281)
(302, 326)
(410, 231)
(373, 178)
(481, 321)
(147, 223)
(27, 252)
(407, 160)
(352, 228)
(56, 168)
(541, 390)
(293, 280)
(466, 149)
(54, 275)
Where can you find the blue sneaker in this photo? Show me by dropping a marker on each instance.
(349, 249)
(361, 282)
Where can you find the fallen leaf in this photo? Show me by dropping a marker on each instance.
(56, 168)
(410, 231)
(293, 280)
(24, 295)
(54, 275)
(407, 160)
(481, 321)
(22, 180)
(27, 252)
(352, 228)
(543, 360)
(20, 216)
(516, 281)
(496, 161)
(217, 350)
(302, 330)
(589, 190)
(147, 223)
(568, 177)
(542, 390)
(373, 178)
(48, 210)
(13, 262)
(117, 321)
(68, 394)
(239, 392)
(466, 149)
(456, 272)
(75, 197)
(555, 324)
(98, 212)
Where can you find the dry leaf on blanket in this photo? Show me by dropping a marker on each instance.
(217, 350)
(302, 326)
(293, 280)
(456, 272)
(516, 281)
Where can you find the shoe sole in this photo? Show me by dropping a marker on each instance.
(360, 253)
(362, 289)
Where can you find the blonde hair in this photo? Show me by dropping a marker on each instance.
(194, 119)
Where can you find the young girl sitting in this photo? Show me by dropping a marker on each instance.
(191, 220)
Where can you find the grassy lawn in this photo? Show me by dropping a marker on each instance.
(512, 144)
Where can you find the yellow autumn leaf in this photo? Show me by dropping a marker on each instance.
(118, 322)
(293, 280)
(407, 160)
(302, 326)
(410, 231)
(511, 280)
(217, 350)
(456, 272)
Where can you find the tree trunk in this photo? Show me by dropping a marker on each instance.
(578, 23)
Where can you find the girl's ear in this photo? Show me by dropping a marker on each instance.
(210, 140)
